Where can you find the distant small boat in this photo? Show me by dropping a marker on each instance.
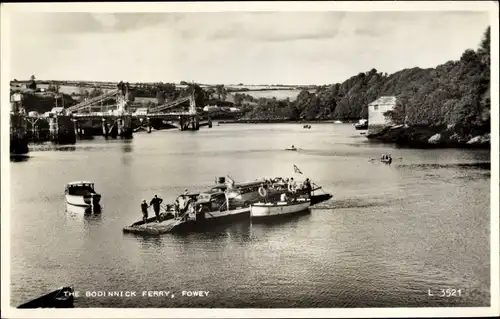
(81, 193)
(274, 209)
(307, 126)
(337, 122)
(290, 149)
(361, 125)
(59, 298)
(386, 158)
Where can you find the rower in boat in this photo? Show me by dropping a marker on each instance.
(386, 158)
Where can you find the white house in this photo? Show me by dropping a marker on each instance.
(377, 108)
(57, 110)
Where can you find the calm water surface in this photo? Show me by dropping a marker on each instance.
(389, 235)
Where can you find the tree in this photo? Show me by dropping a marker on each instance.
(54, 88)
(160, 97)
(221, 91)
(210, 93)
(95, 92)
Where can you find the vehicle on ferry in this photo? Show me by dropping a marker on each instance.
(245, 193)
(82, 193)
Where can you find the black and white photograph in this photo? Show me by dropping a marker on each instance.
(250, 159)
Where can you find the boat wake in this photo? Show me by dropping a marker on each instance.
(477, 165)
(349, 203)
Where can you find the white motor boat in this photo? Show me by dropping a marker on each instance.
(82, 193)
(273, 209)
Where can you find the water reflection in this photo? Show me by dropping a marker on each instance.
(281, 220)
(127, 146)
(49, 146)
(65, 148)
(149, 241)
(84, 213)
(19, 158)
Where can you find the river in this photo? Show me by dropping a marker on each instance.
(392, 235)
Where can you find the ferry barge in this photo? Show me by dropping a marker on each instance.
(222, 203)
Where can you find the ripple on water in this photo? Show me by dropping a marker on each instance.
(388, 235)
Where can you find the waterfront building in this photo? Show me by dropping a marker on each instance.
(377, 108)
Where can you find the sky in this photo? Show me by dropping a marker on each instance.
(235, 47)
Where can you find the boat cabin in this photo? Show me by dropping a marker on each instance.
(214, 201)
(245, 187)
(80, 188)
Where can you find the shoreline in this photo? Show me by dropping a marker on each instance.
(284, 121)
(413, 137)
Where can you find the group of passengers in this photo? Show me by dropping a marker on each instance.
(182, 205)
(286, 185)
(185, 204)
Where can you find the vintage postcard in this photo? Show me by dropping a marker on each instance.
(250, 159)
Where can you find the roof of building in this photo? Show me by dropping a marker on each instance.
(77, 183)
(384, 100)
(57, 109)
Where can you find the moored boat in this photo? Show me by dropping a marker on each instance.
(279, 208)
(59, 298)
(361, 125)
(82, 193)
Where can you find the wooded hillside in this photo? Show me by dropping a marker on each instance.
(452, 93)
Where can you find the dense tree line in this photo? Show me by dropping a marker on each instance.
(457, 92)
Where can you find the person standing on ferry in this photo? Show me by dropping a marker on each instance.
(144, 209)
(308, 188)
(155, 202)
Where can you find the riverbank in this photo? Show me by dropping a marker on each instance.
(276, 121)
(451, 136)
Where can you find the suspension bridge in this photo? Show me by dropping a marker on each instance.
(97, 116)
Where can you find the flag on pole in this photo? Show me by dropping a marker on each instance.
(230, 182)
(296, 169)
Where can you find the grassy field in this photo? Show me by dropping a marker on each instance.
(279, 92)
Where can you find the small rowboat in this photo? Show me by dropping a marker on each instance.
(82, 193)
(273, 209)
(290, 149)
(59, 298)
